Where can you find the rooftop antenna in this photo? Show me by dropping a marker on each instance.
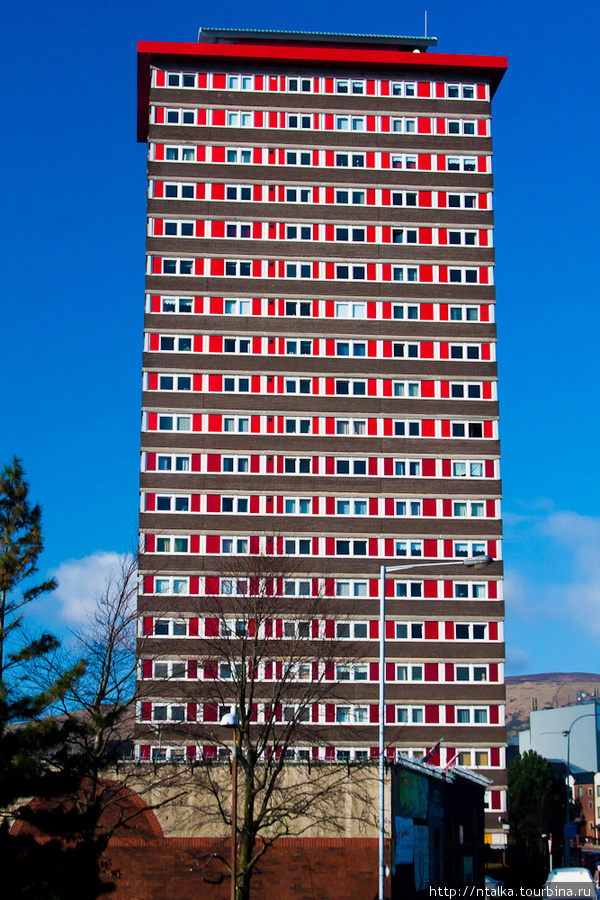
(425, 23)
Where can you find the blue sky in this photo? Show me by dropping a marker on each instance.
(73, 282)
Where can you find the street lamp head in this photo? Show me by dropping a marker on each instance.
(229, 720)
(478, 562)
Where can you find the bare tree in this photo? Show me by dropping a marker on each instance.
(271, 660)
(91, 799)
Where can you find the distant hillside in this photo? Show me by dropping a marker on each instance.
(547, 690)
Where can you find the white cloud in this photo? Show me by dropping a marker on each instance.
(79, 580)
(554, 580)
(518, 660)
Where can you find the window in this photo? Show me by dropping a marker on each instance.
(293, 547)
(238, 308)
(471, 673)
(238, 192)
(409, 548)
(238, 155)
(403, 198)
(234, 504)
(469, 631)
(460, 91)
(402, 428)
(179, 191)
(468, 276)
(294, 195)
(351, 310)
(178, 228)
(409, 673)
(462, 164)
(181, 79)
(462, 201)
(229, 587)
(170, 343)
(235, 464)
(171, 585)
(297, 505)
(408, 507)
(404, 89)
(298, 426)
(298, 232)
(350, 123)
(350, 548)
(465, 238)
(180, 154)
(235, 268)
(464, 313)
(465, 508)
(403, 161)
(407, 388)
(461, 390)
(238, 385)
(303, 84)
(296, 629)
(350, 160)
(169, 503)
(467, 429)
(410, 589)
(349, 507)
(180, 116)
(352, 589)
(409, 630)
(351, 426)
(236, 423)
(174, 383)
(351, 466)
(240, 82)
(469, 591)
(405, 126)
(344, 387)
(177, 266)
(356, 197)
(296, 465)
(174, 423)
(350, 234)
(297, 588)
(410, 715)
(294, 158)
(465, 351)
(238, 230)
(464, 127)
(297, 270)
(294, 347)
(172, 544)
(238, 119)
(469, 548)
(405, 312)
(176, 304)
(409, 466)
(467, 469)
(405, 273)
(293, 308)
(173, 463)
(236, 345)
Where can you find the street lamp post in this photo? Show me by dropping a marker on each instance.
(230, 720)
(567, 734)
(471, 562)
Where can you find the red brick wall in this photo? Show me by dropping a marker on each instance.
(188, 869)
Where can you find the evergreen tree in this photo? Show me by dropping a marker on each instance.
(536, 807)
(27, 736)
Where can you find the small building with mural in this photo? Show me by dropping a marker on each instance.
(437, 828)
